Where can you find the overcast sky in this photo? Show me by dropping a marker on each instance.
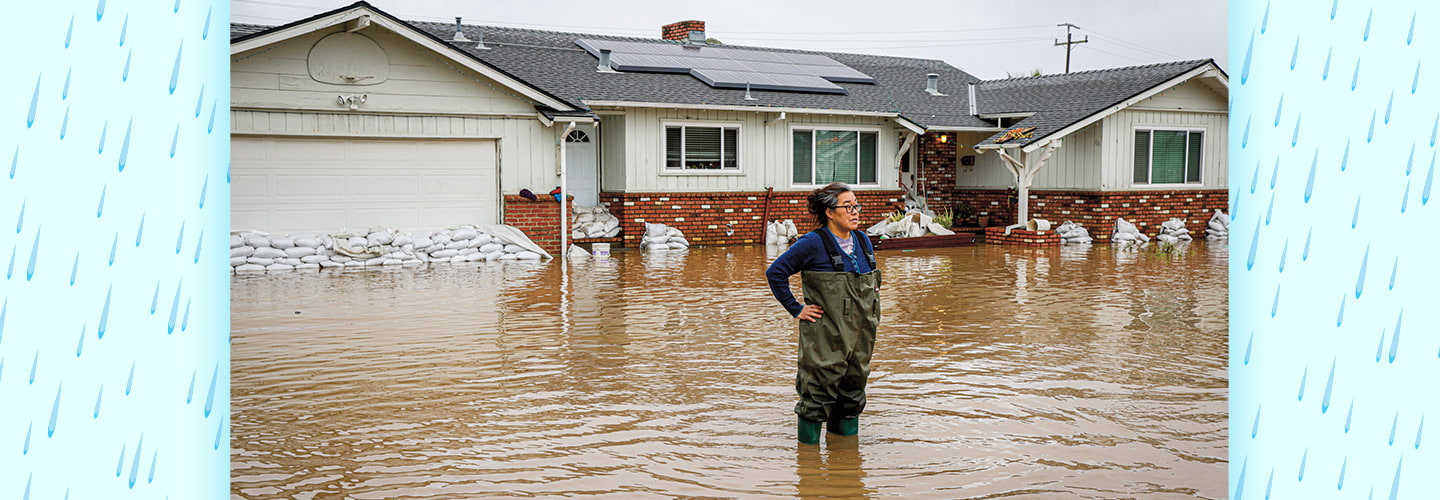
(987, 39)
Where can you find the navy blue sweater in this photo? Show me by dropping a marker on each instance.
(808, 254)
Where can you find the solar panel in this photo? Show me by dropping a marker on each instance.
(726, 67)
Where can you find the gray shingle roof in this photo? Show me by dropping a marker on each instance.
(1058, 101)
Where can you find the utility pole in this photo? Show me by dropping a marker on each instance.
(1069, 42)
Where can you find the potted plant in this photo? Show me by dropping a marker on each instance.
(961, 211)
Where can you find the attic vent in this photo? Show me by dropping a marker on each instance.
(459, 37)
(604, 66)
(932, 84)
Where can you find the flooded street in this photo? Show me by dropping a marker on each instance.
(998, 372)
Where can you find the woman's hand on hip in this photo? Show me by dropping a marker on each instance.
(810, 313)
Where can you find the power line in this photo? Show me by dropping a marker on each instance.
(1069, 43)
(1132, 45)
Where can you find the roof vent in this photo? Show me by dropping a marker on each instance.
(697, 36)
(970, 88)
(932, 84)
(459, 37)
(604, 66)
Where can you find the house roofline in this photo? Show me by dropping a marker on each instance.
(732, 107)
(1199, 70)
(425, 39)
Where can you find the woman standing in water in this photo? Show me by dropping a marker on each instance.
(841, 286)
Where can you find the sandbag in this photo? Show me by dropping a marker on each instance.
(457, 244)
(298, 252)
(482, 239)
(282, 243)
(475, 257)
(508, 256)
(444, 254)
(237, 261)
(400, 241)
(257, 241)
(670, 231)
(512, 248)
(613, 232)
(279, 267)
(307, 267)
(679, 241)
(576, 252)
(772, 232)
(469, 251)
(611, 223)
(678, 246)
(878, 229)
(375, 261)
(250, 268)
(289, 262)
(392, 262)
(790, 233)
(341, 259)
(441, 238)
(654, 230)
(379, 238)
(495, 255)
(585, 218)
(492, 248)
(329, 264)
(357, 242)
(457, 259)
(242, 251)
(314, 259)
(596, 233)
(510, 235)
(236, 241)
(464, 233)
(355, 263)
(527, 255)
(422, 243)
(308, 242)
(936, 228)
(268, 253)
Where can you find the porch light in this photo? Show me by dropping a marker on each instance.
(944, 138)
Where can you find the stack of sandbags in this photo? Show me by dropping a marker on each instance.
(594, 222)
(662, 237)
(912, 224)
(1071, 232)
(1127, 234)
(1219, 226)
(781, 232)
(257, 251)
(1173, 231)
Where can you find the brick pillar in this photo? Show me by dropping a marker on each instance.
(936, 163)
(539, 220)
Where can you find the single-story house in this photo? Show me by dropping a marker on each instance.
(354, 118)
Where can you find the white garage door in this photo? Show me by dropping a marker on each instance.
(322, 185)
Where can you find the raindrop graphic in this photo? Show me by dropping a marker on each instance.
(1284, 250)
(1419, 431)
(1429, 180)
(1254, 243)
(97, 409)
(15, 159)
(154, 458)
(1245, 138)
(177, 6)
(105, 313)
(198, 242)
(175, 141)
(1349, 416)
(34, 366)
(104, 127)
(1305, 457)
(1405, 200)
(1239, 484)
(125, 146)
(190, 393)
(1340, 485)
(1395, 486)
(1333, 5)
(20, 221)
(1325, 74)
(1275, 306)
(4, 309)
(10, 271)
(205, 34)
(1269, 483)
(1249, 51)
(124, 27)
(174, 310)
(80, 344)
(34, 253)
(100, 207)
(1354, 80)
(1355, 219)
(120, 464)
(1329, 388)
(140, 231)
(1410, 36)
(1255, 178)
(28, 481)
(100, 10)
(34, 103)
(1270, 211)
(175, 73)
(1310, 181)
(1370, 134)
(220, 430)
(68, 32)
(1278, 108)
(1295, 54)
(185, 318)
(135, 464)
(125, 74)
(1380, 347)
(1303, 376)
(1255, 428)
(1248, 345)
(113, 244)
(1368, 18)
(155, 300)
(1389, 105)
(180, 240)
(210, 396)
(130, 381)
(205, 186)
(1345, 158)
(199, 100)
(54, 412)
(1393, 270)
(1395, 424)
(1395, 337)
(1415, 83)
(65, 123)
(211, 127)
(1265, 20)
(1410, 162)
(26, 449)
(1360, 280)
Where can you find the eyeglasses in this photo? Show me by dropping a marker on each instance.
(849, 208)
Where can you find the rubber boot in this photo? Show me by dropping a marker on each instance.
(809, 431)
(844, 426)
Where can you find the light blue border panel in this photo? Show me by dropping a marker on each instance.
(114, 215)
(1334, 279)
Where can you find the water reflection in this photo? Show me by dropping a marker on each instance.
(998, 372)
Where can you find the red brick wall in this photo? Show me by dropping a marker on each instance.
(1097, 210)
(705, 218)
(539, 220)
(996, 235)
(935, 175)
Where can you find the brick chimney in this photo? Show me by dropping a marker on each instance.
(680, 31)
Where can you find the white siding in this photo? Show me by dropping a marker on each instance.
(420, 81)
(1072, 166)
(764, 150)
(1192, 95)
(527, 153)
(1119, 146)
(612, 153)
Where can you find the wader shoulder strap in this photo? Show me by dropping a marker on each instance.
(865, 242)
(831, 249)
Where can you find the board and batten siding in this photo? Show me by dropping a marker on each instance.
(1072, 166)
(764, 154)
(1119, 149)
(527, 154)
(612, 153)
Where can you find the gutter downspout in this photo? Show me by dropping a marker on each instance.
(564, 194)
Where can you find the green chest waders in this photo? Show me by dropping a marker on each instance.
(834, 357)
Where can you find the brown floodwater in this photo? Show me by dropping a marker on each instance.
(998, 372)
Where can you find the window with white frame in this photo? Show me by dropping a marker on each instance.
(1168, 156)
(702, 147)
(824, 156)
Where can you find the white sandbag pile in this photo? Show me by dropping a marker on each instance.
(781, 232)
(1219, 226)
(257, 251)
(1127, 234)
(1173, 231)
(662, 237)
(593, 222)
(1073, 233)
(913, 224)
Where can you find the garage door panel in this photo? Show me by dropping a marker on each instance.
(325, 184)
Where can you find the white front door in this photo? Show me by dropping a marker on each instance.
(582, 173)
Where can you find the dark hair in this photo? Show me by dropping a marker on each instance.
(825, 198)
